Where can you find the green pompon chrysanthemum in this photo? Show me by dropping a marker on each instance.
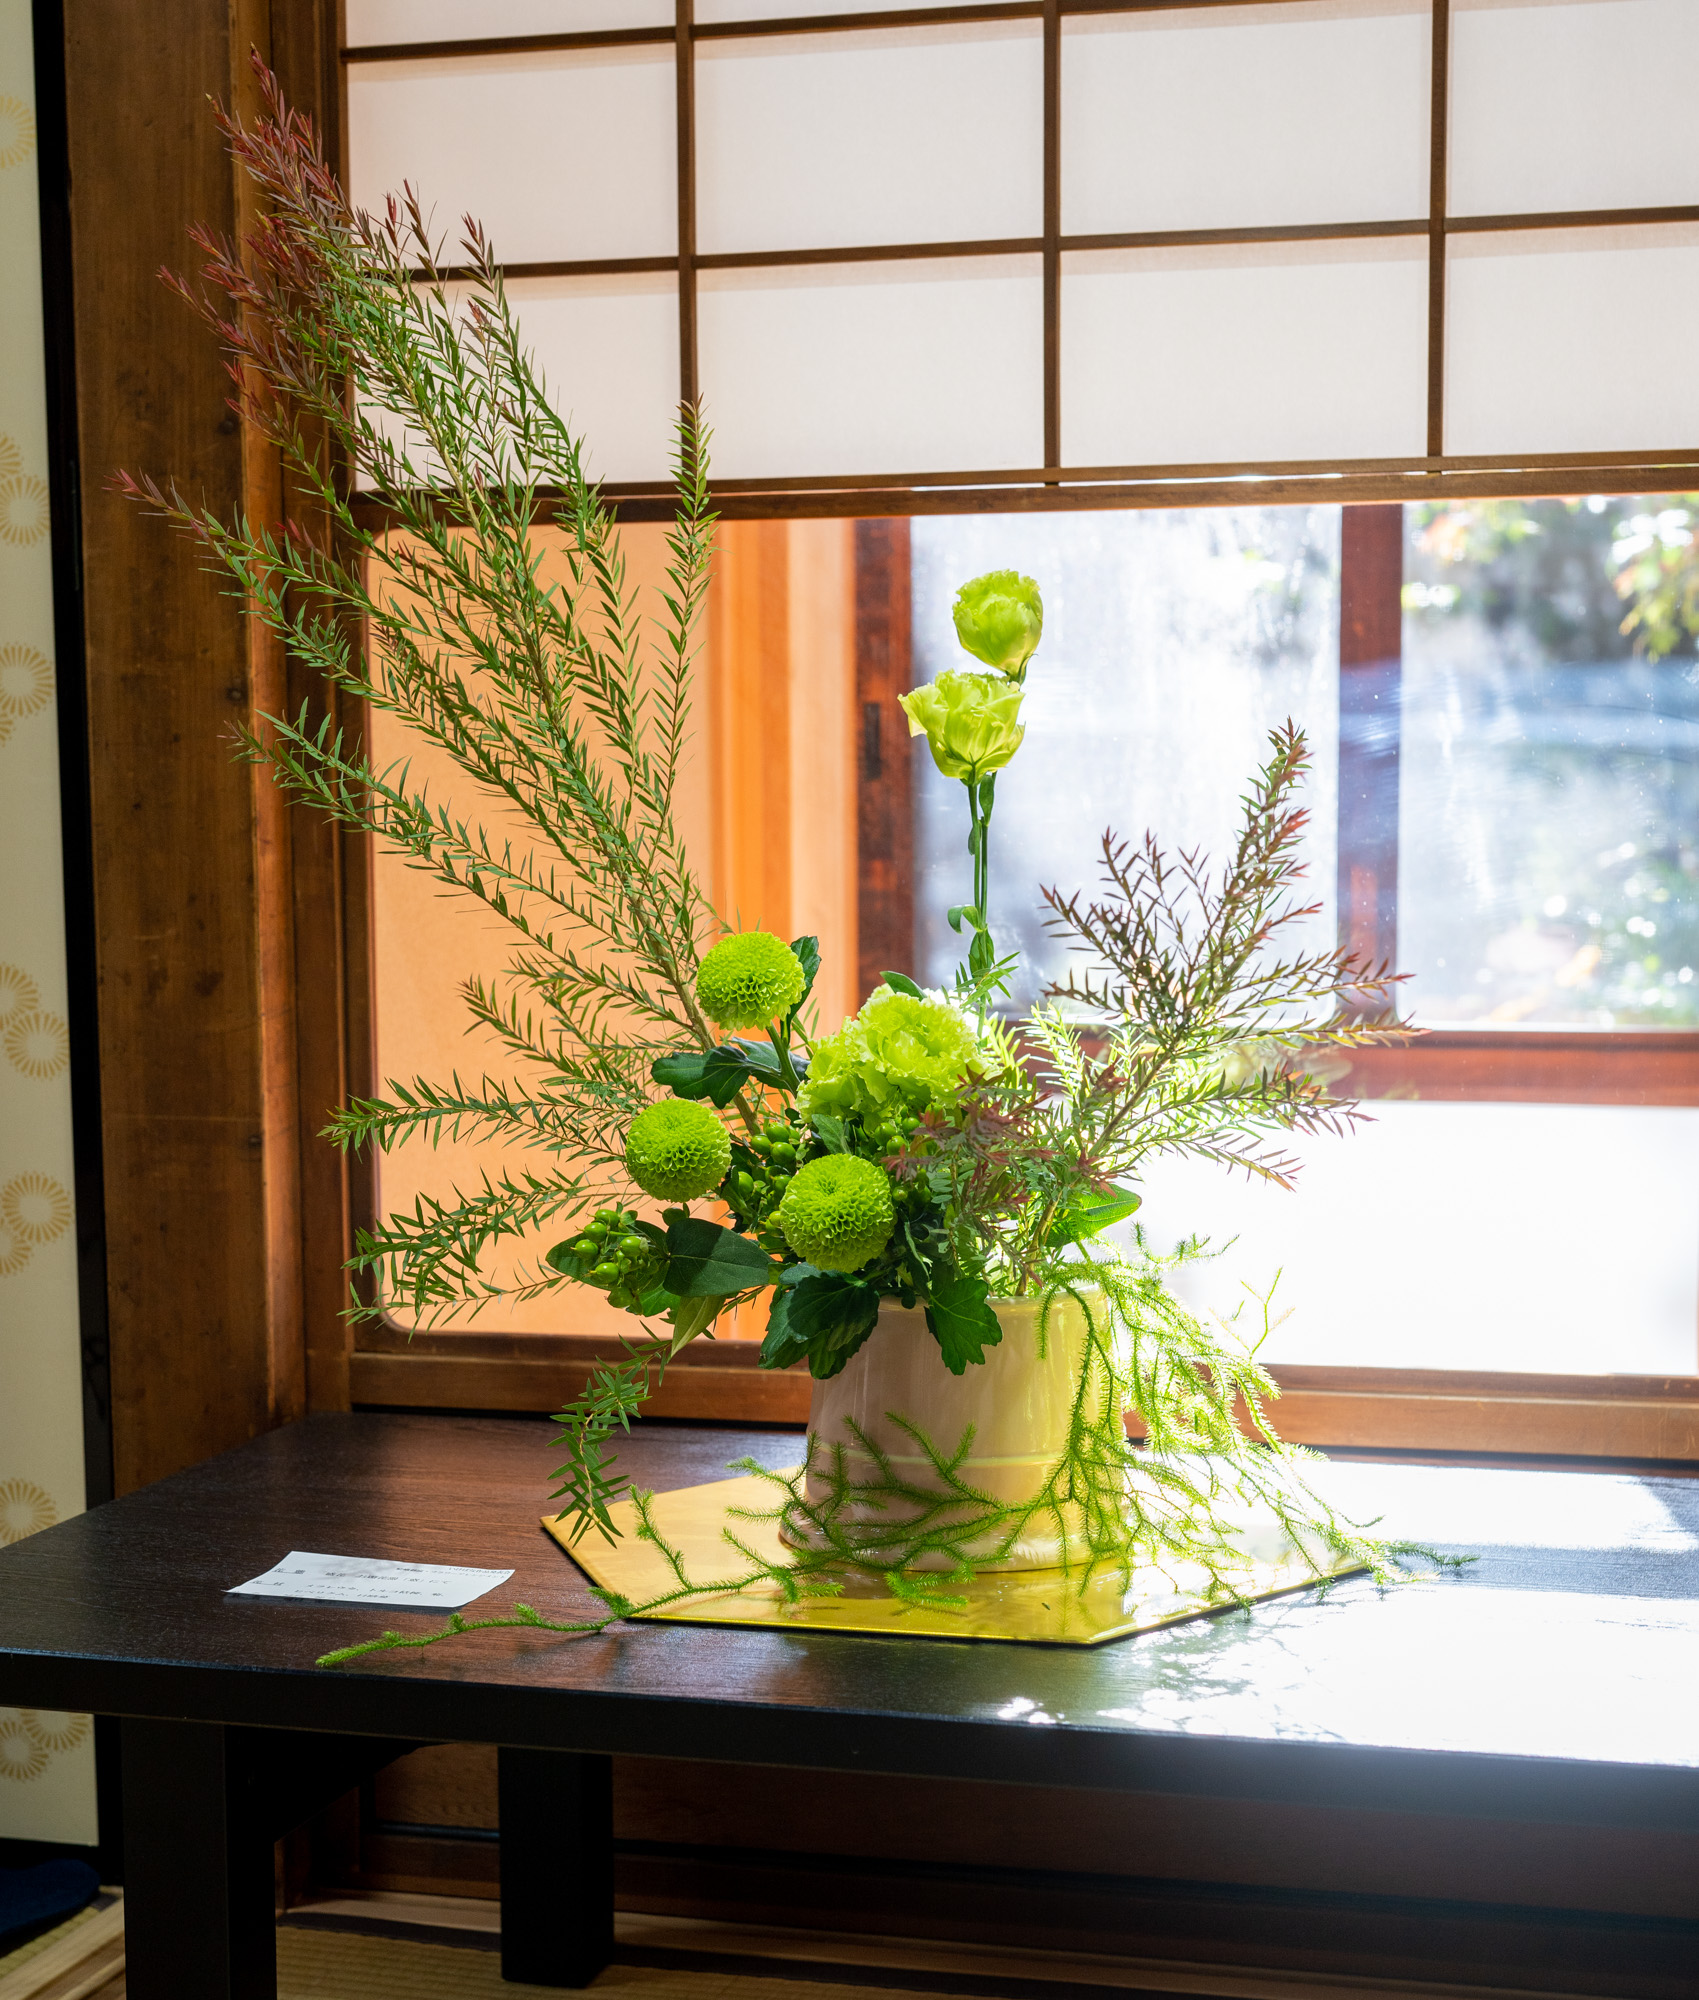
(837, 1213)
(677, 1150)
(749, 979)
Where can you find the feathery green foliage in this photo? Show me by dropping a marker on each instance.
(562, 704)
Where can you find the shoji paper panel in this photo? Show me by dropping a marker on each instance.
(381, 21)
(1572, 340)
(608, 349)
(46, 1761)
(836, 141)
(874, 367)
(772, 10)
(1297, 351)
(1245, 117)
(560, 156)
(1577, 104)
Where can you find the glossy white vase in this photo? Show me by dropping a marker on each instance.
(1018, 1402)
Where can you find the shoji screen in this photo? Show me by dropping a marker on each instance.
(1064, 244)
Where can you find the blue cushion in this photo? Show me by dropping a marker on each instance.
(33, 1899)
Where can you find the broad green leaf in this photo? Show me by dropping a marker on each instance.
(807, 950)
(563, 1258)
(830, 1132)
(710, 1261)
(781, 1348)
(1090, 1216)
(717, 1074)
(961, 1319)
(691, 1317)
(900, 982)
(829, 1316)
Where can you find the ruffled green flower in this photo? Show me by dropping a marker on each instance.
(677, 1150)
(749, 979)
(837, 1213)
(900, 1056)
(971, 722)
(1000, 619)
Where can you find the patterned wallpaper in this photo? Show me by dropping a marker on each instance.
(46, 1761)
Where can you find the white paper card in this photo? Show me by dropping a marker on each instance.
(371, 1580)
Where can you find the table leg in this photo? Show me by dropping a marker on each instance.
(557, 1865)
(198, 1917)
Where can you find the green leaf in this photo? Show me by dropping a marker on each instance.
(782, 1348)
(830, 1132)
(691, 1317)
(807, 950)
(710, 1261)
(900, 982)
(565, 1259)
(1088, 1217)
(827, 1317)
(960, 1317)
(717, 1074)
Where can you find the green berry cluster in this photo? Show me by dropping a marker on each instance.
(889, 1134)
(773, 1154)
(614, 1257)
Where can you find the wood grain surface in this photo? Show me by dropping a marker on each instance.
(1551, 1680)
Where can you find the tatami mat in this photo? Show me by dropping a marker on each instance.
(325, 1965)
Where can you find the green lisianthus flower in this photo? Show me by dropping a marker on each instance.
(1000, 619)
(971, 722)
(677, 1150)
(900, 1055)
(837, 1213)
(749, 979)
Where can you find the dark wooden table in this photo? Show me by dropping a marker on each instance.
(1553, 1680)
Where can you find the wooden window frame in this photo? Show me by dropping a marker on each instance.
(221, 957)
(1620, 1417)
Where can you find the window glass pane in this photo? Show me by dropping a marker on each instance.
(1446, 1236)
(841, 140)
(867, 367)
(1549, 783)
(559, 156)
(1570, 340)
(384, 21)
(1292, 351)
(1572, 106)
(1231, 119)
(1173, 643)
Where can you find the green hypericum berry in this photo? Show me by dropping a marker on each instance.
(837, 1213)
(677, 1150)
(749, 979)
(999, 619)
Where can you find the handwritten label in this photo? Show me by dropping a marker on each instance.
(370, 1580)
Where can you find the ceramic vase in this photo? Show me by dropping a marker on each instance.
(1018, 1402)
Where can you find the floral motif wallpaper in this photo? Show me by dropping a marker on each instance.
(46, 1761)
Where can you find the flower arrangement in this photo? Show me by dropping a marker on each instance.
(701, 1143)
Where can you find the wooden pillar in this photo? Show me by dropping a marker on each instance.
(1371, 572)
(194, 854)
